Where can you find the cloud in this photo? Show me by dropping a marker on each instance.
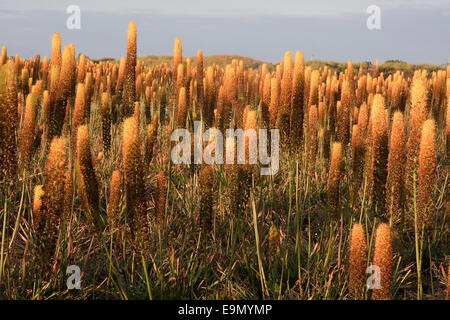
(408, 34)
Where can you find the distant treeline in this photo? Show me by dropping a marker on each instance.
(388, 67)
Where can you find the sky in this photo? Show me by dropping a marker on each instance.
(416, 31)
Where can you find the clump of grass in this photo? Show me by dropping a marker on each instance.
(363, 120)
(239, 180)
(120, 77)
(162, 102)
(44, 70)
(114, 199)
(214, 98)
(66, 90)
(139, 84)
(250, 123)
(24, 81)
(231, 90)
(313, 96)
(105, 109)
(78, 116)
(129, 84)
(177, 57)
(418, 115)
(182, 109)
(222, 111)
(9, 119)
(53, 203)
(265, 100)
(56, 50)
(396, 169)
(81, 70)
(207, 114)
(379, 138)
(322, 114)
(29, 131)
(132, 167)
(188, 84)
(150, 140)
(334, 179)
(426, 176)
(358, 150)
(383, 259)
(180, 81)
(160, 203)
(89, 92)
(343, 114)
(312, 139)
(274, 101)
(396, 99)
(148, 102)
(357, 262)
(288, 208)
(86, 179)
(137, 111)
(4, 56)
(284, 110)
(206, 181)
(37, 201)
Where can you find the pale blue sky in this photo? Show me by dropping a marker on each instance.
(416, 31)
(223, 8)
